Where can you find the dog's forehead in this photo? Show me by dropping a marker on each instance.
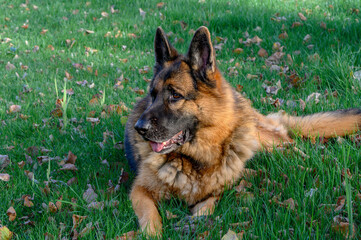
(177, 75)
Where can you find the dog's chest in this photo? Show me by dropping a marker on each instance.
(193, 183)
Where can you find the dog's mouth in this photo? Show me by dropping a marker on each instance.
(161, 147)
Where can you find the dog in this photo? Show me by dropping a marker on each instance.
(192, 134)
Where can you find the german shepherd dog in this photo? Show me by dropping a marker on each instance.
(192, 134)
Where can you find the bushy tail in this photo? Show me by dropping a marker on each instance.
(326, 124)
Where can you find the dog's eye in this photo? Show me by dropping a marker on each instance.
(175, 96)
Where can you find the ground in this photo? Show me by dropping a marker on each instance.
(298, 56)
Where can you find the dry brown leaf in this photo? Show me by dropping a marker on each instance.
(4, 161)
(160, 4)
(72, 181)
(262, 53)
(289, 204)
(243, 225)
(307, 38)
(27, 202)
(96, 205)
(86, 230)
(52, 207)
(302, 17)
(296, 24)
(251, 76)
(170, 215)
(71, 158)
(323, 25)
(142, 13)
(238, 51)
(58, 203)
(57, 112)
(340, 203)
(283, 35)
(68, 167)
(342, 226)
(89, 195)
(313, 97)
(77, 219)
(87, 31)
(4, 177)
(14, 108)
(127, 236)
(243, 184)
(275, 58)
(11, 213)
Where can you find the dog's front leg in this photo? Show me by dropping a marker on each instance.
(146, 210)
(205, 207)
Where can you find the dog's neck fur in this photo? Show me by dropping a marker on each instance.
(215, 138)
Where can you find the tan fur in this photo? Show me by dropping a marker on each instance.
(230, 131)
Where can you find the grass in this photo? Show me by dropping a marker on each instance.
(49, 61)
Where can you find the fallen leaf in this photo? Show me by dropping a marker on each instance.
(302, 104)
(71, 158)
(160, 4)
(283, 35)
(230, 235)
(86, 230)
(4, 177)
(170, 215)
(142, 13)
(342, 226)
(251, 76)
(14, 108)
(314, 97)
(262, 53)
(87, 31)
(323, 25)
(52, 207)
(238, 51)
(5, 233)
(72, 181)
(96, 205)
(68, 167)
(11, 213)
(27, 202)
(89, 195)
(10, 66)
(243, 225)
(303, 18)
(59, 203)
(296, 24)
(275, 58)
(4, 161)
(289, 204)
(243, 184)
(77, 219)
(127, 236)
(340, 203)
(307, 38)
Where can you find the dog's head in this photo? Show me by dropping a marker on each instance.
(174, 111)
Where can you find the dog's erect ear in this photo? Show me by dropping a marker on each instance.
(201, 53)
(163, 50)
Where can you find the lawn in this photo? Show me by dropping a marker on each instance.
(70, 72)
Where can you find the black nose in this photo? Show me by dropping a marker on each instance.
(142, 126)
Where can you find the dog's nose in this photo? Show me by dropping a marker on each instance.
(142, 126)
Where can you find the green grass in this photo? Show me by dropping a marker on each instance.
(44, 72)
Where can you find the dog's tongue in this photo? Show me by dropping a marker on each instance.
(157, 147)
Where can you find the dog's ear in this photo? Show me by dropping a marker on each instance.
(201, 53)
(163, 50)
